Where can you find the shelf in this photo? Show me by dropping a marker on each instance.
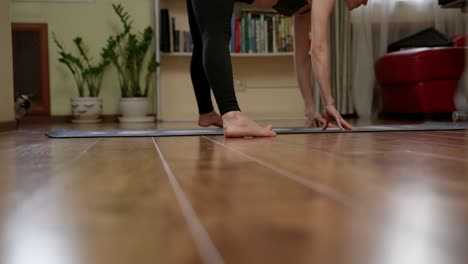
(187, 54)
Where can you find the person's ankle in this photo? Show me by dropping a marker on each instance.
(208, 113)
(231, 115)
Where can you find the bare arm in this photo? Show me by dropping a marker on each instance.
(320, 47)
(303, 67)
(302, 59)
(320, 53)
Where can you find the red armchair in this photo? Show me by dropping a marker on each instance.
(460, 41)
(422, 80)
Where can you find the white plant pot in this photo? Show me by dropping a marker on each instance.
(86, 109)
(135, 110)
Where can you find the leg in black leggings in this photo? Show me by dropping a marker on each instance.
(210, 24)
(197, 72)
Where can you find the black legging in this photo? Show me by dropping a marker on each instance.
(210, 25)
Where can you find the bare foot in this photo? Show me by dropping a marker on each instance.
(238, 125)
(210, 119)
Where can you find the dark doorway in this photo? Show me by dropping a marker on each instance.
(31, 65)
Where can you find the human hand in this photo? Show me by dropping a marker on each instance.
(315, 118)
(331, 114)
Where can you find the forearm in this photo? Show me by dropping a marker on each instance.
(321, 64)
(302, 61)
(320, 48)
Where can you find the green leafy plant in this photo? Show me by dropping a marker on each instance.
(86, 74)
(128, 52)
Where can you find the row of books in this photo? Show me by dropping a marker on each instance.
(257, 31)
(253, 31)
(172, 39)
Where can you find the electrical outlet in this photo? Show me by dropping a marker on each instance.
(240, 85)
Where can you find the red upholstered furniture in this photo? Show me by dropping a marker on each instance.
(422, 80)
(460, 41)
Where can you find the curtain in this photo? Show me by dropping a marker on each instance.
(382, 22)
(340, 58)
(463, 90)
(461, 97)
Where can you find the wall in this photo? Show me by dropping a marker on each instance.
(6, 67)
(92, 21)
(271, 92)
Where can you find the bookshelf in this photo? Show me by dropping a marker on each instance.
(175, 100)
(276, 54)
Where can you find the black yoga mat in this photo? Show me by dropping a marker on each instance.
(430, 126)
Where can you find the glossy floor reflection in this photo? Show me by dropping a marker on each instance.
(322, 198)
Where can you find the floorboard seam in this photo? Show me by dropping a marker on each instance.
(423, 141)
(313, 185)
(208, 252)
(442, 136)
(344, 155)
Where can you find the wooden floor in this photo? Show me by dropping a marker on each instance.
(399, 198)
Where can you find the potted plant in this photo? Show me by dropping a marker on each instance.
(129, 52)
(87, 106)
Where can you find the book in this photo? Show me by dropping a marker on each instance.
(165, 44)
(233, 35)
(177, 40)
(172, 33)
(249, 33)
(237, 35)
(190, 42)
